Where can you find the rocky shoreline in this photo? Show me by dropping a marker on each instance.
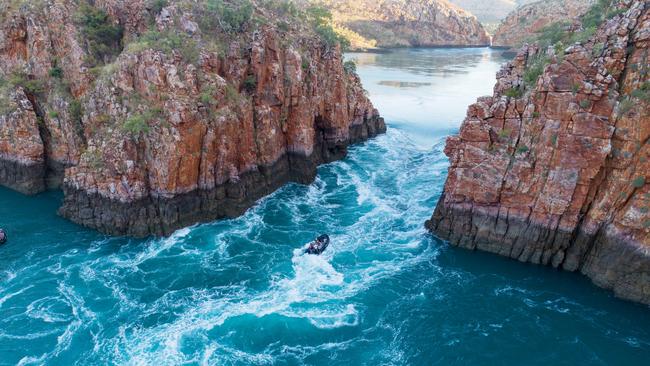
(161, 216)
(25, 178)
(554, 168)
(610, 258)
(151, 118)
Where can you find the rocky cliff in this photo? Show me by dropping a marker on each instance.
(406, 23)
(526, 22)
(554, 168)
(490, 11)
(153, 115)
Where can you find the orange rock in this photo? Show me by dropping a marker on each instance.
(573, 176)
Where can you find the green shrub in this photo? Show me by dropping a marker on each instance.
(31, 86)
(76, 110)
(585, 103)
(139, 122)
(305, 64)
(583, 36)
(505, 133)
(228, 16)
(53, 114)
(522, 149)
(559, 49)
(103, 38)
(552, 34)
(285, 7)
(596, 14)
(625, 106)
(207, 95)
(350, 67)
(534, 70)
(136, 124)
(319, 14)
(283, 26)
(232, 95)
(250, 83)
(157, 6)
(575, 88)
(514, 93)
(638, 182)
(166, 41)
(558, 33)
(643, 92)
(554, 139)
(615, 12)
(536, 114)
(321, 19)
(56, 72)
(5, 104)
(598, 49)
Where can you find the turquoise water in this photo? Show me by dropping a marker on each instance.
(237, 292)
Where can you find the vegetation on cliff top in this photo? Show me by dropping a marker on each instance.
(561, 34)
(222, 24)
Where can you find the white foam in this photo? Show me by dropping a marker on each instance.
(13, 294)
(42, 309)
(154, 249)
(9, 275)
(317, 290)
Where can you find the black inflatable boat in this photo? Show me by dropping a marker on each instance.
(319, 245)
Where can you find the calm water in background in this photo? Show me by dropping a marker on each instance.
(238, 293)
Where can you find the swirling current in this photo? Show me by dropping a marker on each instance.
(238, 292)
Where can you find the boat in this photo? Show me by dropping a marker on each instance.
(3, 236)
(319, 245)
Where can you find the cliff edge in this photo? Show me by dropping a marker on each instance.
(554, 168)
(153, 115)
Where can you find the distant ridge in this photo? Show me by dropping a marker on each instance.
(372, 24)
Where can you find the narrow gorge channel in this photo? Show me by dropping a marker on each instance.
(237, 292)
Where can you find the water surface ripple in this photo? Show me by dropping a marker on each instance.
(237, 292)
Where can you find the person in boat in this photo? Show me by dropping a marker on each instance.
(3, 236)
(319, 245)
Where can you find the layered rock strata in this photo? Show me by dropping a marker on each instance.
(187, 114)
(559, 175)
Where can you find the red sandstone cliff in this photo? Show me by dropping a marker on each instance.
(555, 170)
(163, 117)
(406, 23)
(528, 20)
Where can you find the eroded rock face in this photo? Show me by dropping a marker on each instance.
(490, 11)
(560, 176)
(526, 21)
(167, 136)
(38, 138)
(409, 23)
